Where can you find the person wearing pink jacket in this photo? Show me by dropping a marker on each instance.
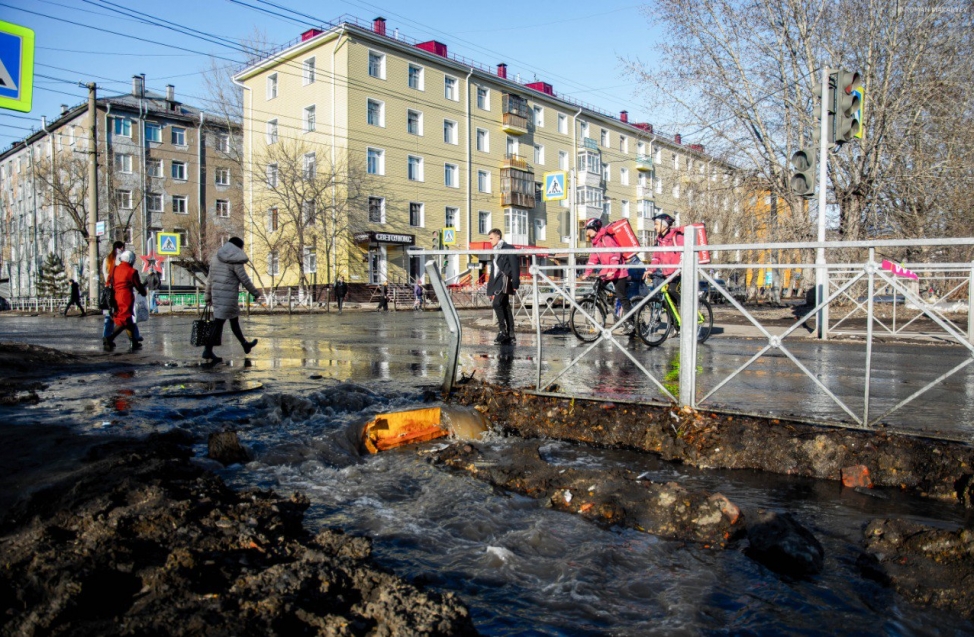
(611, 262)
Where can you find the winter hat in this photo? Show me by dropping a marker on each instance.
(128, 257)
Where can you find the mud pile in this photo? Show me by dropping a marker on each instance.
(142, 541)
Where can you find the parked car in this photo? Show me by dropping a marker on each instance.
(883, 298)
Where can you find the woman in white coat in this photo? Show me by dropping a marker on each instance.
(226, 276)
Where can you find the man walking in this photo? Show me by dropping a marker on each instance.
(75, 299)
(341, 289)
(152, 283)
(505, 278)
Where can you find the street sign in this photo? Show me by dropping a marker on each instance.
(99, 228)
(16, 67)
(168, 244)
(898, 270)
(449, 236)
(554, 186)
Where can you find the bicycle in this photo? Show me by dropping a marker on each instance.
(600, 305)
(658, 317)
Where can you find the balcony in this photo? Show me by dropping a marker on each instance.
(517, 183)
(644, 192)
(590, 143)
(517, 199)
(644, 163)
(514, 124)
(587, 211)
(514, 161)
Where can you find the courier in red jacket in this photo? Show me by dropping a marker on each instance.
(667, 236)
(611, 262)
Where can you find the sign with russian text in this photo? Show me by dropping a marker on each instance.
(898, 270)
(16, 67)
(99, 228)
(554, 186)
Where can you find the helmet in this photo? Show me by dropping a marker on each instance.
(128, 257)
(593, 224)
(665, 218)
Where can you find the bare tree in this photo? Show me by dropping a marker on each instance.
(741, 75)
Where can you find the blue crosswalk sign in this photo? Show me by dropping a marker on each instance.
(16, 67)
(168, 244)
(554, 186)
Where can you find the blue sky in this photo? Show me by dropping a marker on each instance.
(575, 46)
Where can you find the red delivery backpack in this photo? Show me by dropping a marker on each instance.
(703, 256)
(622, 232)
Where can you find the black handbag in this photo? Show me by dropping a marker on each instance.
(106, 298)
(203, 330)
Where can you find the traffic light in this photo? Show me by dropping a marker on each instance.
(847, 106)
(565, 223)
(828, 108)
(803, 179)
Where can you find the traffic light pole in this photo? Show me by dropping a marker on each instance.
(821, 275)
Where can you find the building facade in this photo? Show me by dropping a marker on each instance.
(163, 167)
(438, 148)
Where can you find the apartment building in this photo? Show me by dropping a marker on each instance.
(163, 167)
(441, 147)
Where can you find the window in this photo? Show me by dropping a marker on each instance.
(179, 205)
(676, 162)
(377, 65)
(414, 170)
(183, 237)
(605, 138)
(153, 202)
(676, 191)
(641, 149)
(623, 144)
(222, 177)
(309, 119)
(606, 209)
(154, 167)
(539, 116)
(606, 172)
(562, 160)
(540, 230)
(539, 154)
(624, 204)
(659, 156)
(512, 146)
(516, 226)
(272, 86)
(483, 181)
(416, 77)
(272, 220)
(624, 176)
(222, 208)
(310, 259)
(310, 166)
(272, 131)
(659, 185)
(449, 132)
(376, 161)
(123, 127)
(308, 212)
(124, 199)
(376, 113)
(223, 143)
(451, 217)
(414, 122)
(450, 172)
(590, 162)
(179, 170)
(483, 141)
(308, 71)
(153, 132)
(483, 222)
(123, 163)
(416, 214)
(562, 124)
(589, 196)
(178, 136)
(272, 175)
(377, 210)
(483, 98)
(273, 263)
(450, 88)
(584, 129)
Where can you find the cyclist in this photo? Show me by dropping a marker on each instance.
(610, 261)
(667, 236)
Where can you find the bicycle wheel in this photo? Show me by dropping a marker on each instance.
(653, 323)
(583, 328)
(705, 320)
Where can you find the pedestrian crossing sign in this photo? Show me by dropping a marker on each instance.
(16, 67)
(449, 236)
(168, 244)
(554, 186)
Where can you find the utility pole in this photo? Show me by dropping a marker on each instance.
(94, 272)
(821, 275)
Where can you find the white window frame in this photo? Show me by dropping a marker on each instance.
(446, 175)
(271, 133)
(154, 168)
(659, 185)
(483, 222)
(540, 229)
(414, 168)
(309, 166)
(624, 176)
(177, 135)
(421, 77)
(422, 214)
(539, 116)
(308, 71)
(624, 204)
(583, 129)
(605, 138)
(410, 112)
(379, 155)
(382, 209)
(273, 174)
(539, 154)
(223, 143)
(451, 91)
(153, 132)
(659, 156)
(486, 138)
(273, 222)
(308, 118)
(484, 104)
(183, 172)
(455, 212)
(222, 208)
(381, 106)
(180, 205)
(676, 190)
(607, 172)
(123, 163)
(450, 132)
(623, 144)
(123, 127)
(483, 181)
(308, 212)
(380, 65)
(123, 199)
(310, 259)
(273, 263)
(272, 86)
(155, 202)
(221, 177)
(562, 160)
(562, 123)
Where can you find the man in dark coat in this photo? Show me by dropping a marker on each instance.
(152, 283)
(505, 278)
(341, 289)
(75, 298)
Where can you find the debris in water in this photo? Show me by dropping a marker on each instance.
(388, 431)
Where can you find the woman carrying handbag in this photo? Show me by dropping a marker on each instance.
(226, 276)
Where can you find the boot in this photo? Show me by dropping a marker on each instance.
(249, 345)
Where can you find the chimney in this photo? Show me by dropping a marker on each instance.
(43, 122)
(502, 70)
(624, 116)
(379, 25)
(542, 87)
(697, 147)
(678, 138)
(171, 93)
(310, 33)
(64, 109)
(434, 47)
(138, 85)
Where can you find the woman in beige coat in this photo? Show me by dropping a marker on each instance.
(226, 275)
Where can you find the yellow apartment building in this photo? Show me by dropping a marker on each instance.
(360, 143)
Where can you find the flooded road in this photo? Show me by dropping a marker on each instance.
(522, 568)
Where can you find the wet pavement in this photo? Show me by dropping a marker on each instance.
(410, 349)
